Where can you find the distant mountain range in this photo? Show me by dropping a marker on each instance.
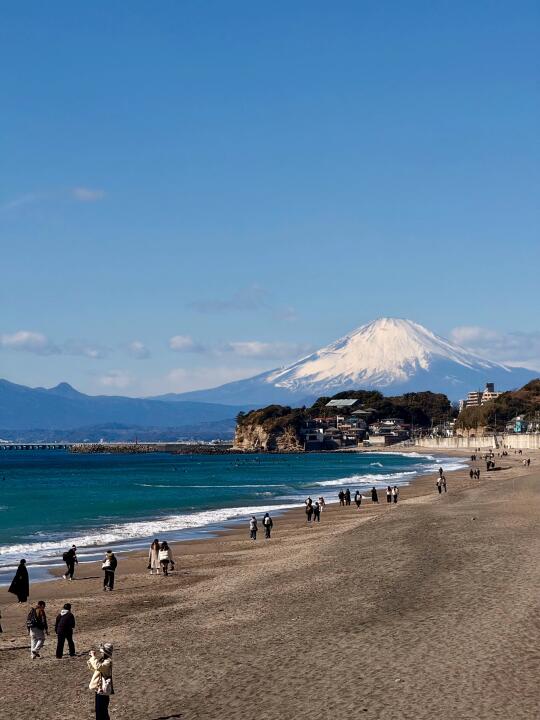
(391, 355)
(62, 408)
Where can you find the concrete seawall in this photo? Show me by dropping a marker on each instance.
(525, 441)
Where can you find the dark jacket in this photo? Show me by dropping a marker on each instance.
(65, 623)
(20, 584)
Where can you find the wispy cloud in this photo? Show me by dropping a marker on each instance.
(28, 341)
(115, 379)
(19, 202)
(519, 349)
(185, 344)
(276, 350)
(86, 194)
(138, 350)
(39, 344)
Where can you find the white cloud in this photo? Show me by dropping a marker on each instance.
(256, 348)
(117, 379)
(28, 341)
(84, 349)
(515, 348)
(85, 194)
(185, 343)
(39, 344)
(138, 350)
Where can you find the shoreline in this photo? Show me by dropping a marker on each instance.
(49, 570)
(391, 585)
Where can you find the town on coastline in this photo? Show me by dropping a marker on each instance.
(362, 419)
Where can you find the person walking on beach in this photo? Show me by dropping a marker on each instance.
(268, 525)
(165, 557)
(341, 497)
(374, 496)
(322, 503)
(471, 473)
(101, 683)
(358, 499)
(395, 494)
(63, 627)
(253, 528)
(36, 622)
(316, 512)
(20, 585)
(443, 480)
(309, 509)
(153, 557)
(439, 485)
(389, 494)
(70, 558)
(347, 497)
(109, 567)
(440, 472)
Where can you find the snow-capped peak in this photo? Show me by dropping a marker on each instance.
(384, 352)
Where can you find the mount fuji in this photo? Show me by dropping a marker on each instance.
(392, 355)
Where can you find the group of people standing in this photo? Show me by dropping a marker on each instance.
(160, 558)
(267, 524)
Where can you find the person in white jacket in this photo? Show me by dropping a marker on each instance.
(153, 557)
(165, 558)
(101, 682)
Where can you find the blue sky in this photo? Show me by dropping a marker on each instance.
(192, 192)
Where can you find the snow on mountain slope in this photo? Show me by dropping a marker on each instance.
(389, 354)
(384, 352)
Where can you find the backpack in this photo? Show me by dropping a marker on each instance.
(66, 556)
(32, 619)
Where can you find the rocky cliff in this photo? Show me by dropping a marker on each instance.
(268, 434)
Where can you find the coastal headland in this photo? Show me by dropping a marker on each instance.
(424, 609)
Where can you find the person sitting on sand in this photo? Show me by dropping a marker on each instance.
(374, 496)
(253, 528)
(165, 557)
(20, 585)
(109, 567)
(358, 499)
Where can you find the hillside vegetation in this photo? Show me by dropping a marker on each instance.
(498, 412)
(421, 409)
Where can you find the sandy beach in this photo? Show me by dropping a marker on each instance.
(427, 609)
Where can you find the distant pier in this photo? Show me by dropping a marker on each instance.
(35, 446)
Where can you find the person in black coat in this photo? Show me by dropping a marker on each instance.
(374, 496)
(63, 627)
(20, 585)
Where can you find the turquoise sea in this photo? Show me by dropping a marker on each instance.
(50, 499)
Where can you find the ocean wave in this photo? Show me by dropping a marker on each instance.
(371, 479)
(184, 487)
(125, 532)
(376, 464)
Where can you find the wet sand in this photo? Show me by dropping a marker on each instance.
(427, 609)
